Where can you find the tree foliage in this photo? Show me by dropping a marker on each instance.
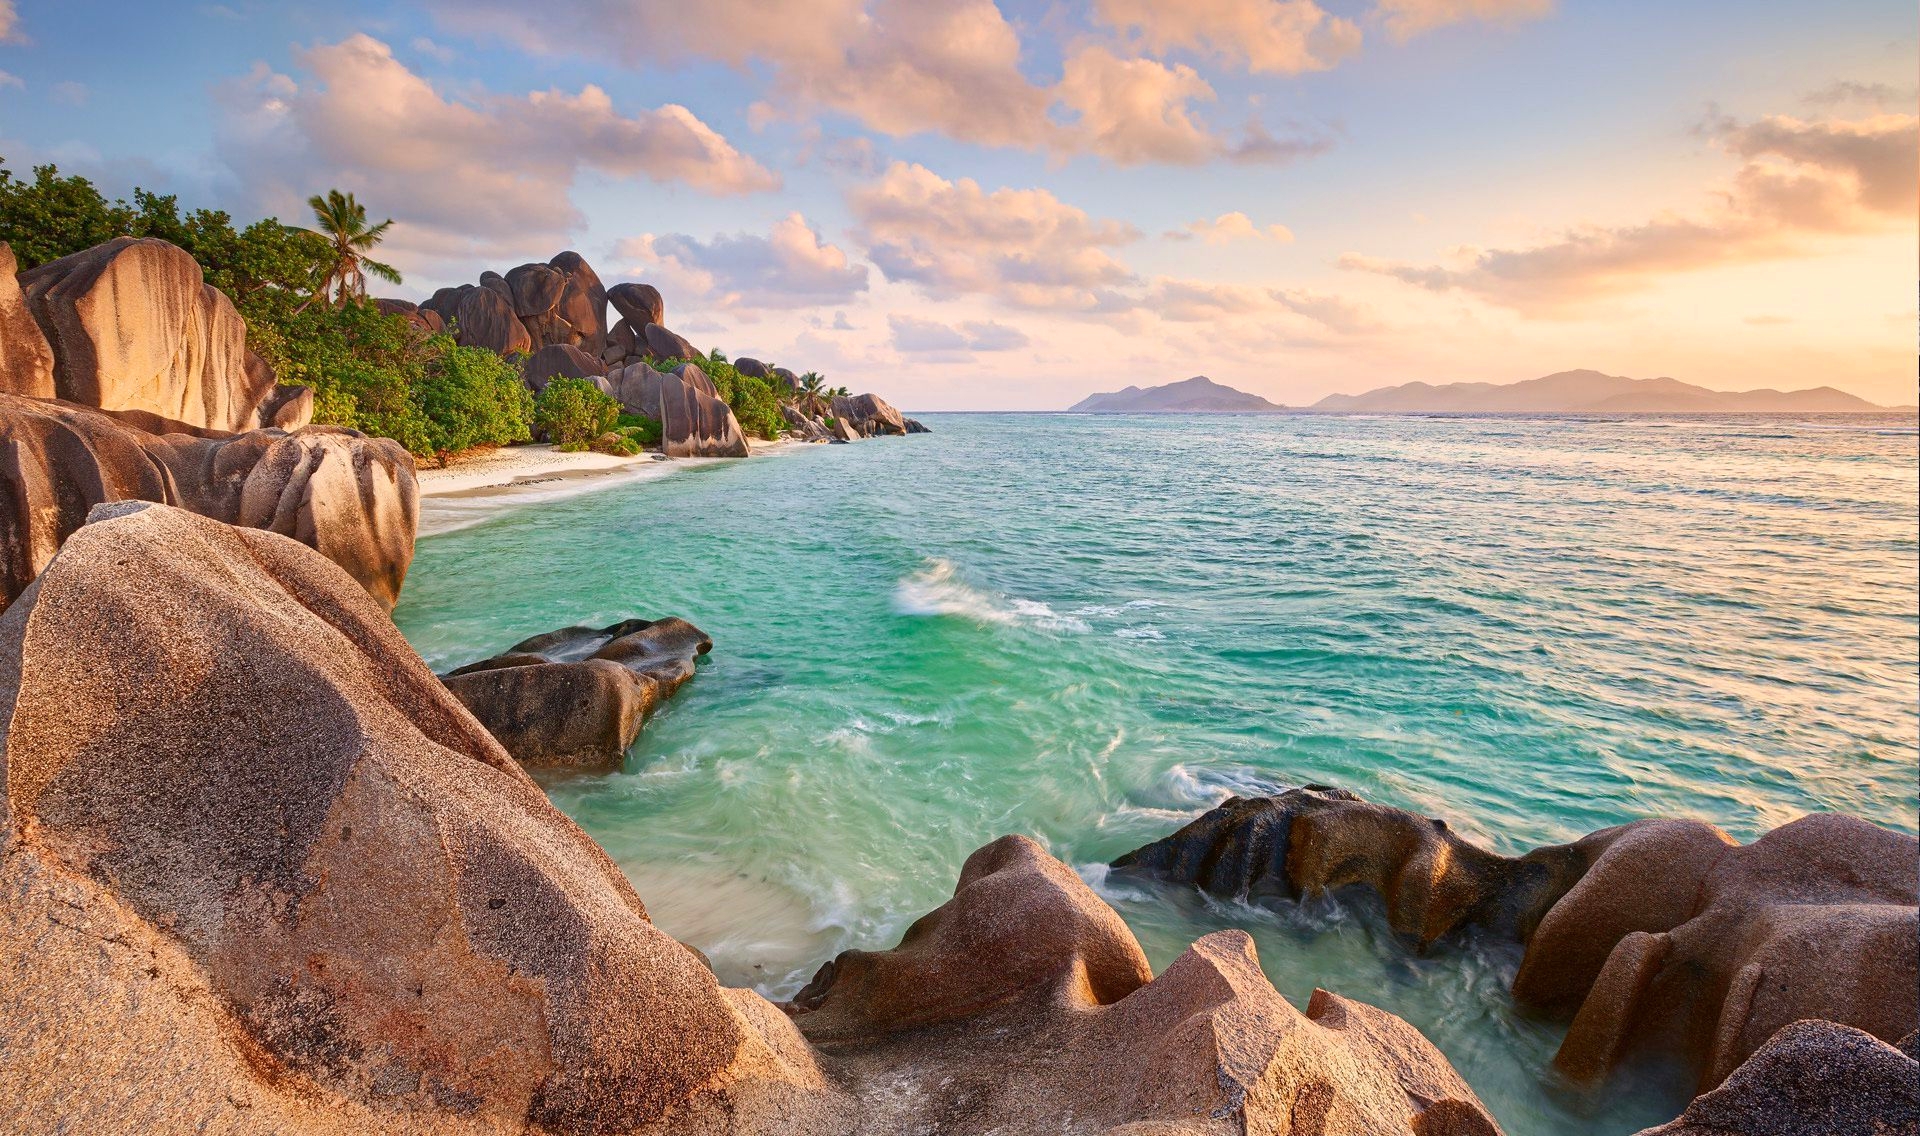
(572, 413)
(754, 402)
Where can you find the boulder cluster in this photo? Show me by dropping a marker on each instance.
(125, 376)
(552, 318)
(1662, 935)
(272, 876)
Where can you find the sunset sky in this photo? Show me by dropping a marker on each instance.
(964, 206)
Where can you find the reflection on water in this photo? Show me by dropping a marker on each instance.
(1089, 630)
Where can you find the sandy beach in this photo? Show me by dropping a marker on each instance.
(474, 487)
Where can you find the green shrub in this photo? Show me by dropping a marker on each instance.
(647, 431)
(472, 397)
(572, 413)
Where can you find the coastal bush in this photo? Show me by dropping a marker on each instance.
(647, 430)
(754, 402)
(368, 370)
(572, 413)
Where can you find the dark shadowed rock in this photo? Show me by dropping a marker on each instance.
(694, 421)
(424, 320)
(263, 873)
(583, 305)
(1662, 935)
(803, 427)
(660, 343)
(869, 415)
(134, 326)
(1024, 1005)
(558, 360)
(578, 697)
(625, 337)
(485, 319)
(915, 426)
(1812, 1078)
(536, 289)
(445, 303)
(288, 408)
(788, 380)
(748, 365)
(495, 282)
(351, 497)
(639, 304)
(26, 361)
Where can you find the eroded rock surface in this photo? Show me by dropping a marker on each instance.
(640, 304)
(577, 697)
(133, 325)
(694, 421)
(26, 361)
(1812, 1078)
(868, 414)
(263, 873)
(1024, 1005)
(1663, 935)
(559, 360)
(352, 498)
(484, 318)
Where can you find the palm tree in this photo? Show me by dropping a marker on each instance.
(716, 356)
(812, 395)
(342, 222)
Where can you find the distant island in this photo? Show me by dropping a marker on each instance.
(1590, 392)
(1198, 395)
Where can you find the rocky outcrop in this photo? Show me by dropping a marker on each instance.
(133, 325)
(263, 873)
(426, 321)
(639, 304)
(26, 361)
(1661, 935)
(558, 361)
(915, 426)
(1024, 1005)
(868, 415)
(350, 497)
(800, 426)
(659, 343)
(485, 318)
(747, 365)
(583, 304)
(694, 420)
(1812, 1078)
(577, 697)
(445, 303)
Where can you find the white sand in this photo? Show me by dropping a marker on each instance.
(473, 488)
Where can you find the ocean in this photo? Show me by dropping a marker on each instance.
(1091, 629)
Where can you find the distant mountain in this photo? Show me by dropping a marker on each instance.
(1198, 395)
(1578, 392)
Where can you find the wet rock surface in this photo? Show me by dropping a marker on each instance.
(577, 697)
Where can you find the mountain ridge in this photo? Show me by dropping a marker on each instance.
(1197, 395)
(1588, 391)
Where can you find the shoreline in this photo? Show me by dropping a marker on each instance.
(478, 487)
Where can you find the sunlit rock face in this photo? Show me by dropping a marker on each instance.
(134, 326)
(694, 421)
(1662, 935)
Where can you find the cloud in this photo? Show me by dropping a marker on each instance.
(1847, 92)
(435, 51)
(788, 268)
(480, 168)
(71, 93)
(1230, 227)
(9, 79)
(1025, 247)
(1408, 18)
(10, 24)
(916, 336)
(1797, 180)
(1286, 37)
(906, 67)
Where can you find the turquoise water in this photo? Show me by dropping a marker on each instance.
(1088, 630)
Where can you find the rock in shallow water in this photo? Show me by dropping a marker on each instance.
(577, 697)
(1662, 935)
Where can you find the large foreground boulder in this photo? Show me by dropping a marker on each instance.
(1025, 1005)
(577, 697)
(134, 326)
(260, 872)
(351, 497)
(1662, 935)
(694, 421)
(869, 415)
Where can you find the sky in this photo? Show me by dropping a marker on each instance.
(969, 205)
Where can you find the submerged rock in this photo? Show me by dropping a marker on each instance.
(577, 697)
(351, 497)
(1662, 935)
(263, 873)
(915, 426)
(868, 415)
(1025, 1005)
(133, 325)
